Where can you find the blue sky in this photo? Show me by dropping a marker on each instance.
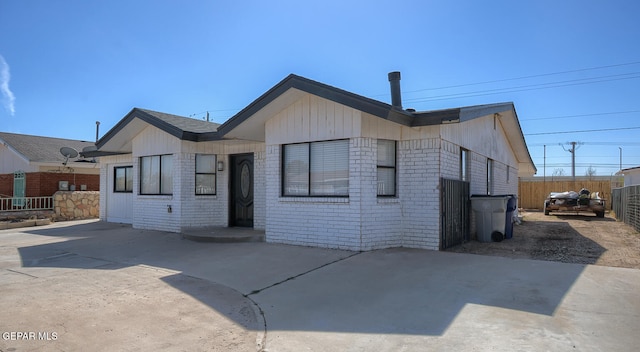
(567, 65)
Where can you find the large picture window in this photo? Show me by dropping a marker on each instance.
(386, 168)
(156, 174)
(205, 174)
(316, 169)
(123, 179)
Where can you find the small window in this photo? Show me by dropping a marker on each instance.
(464, 165)
(317, 169)
(205, 174)
(156, 175)
(123, 179)
(489, 176)
(386, 166)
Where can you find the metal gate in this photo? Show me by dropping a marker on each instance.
(454, 212)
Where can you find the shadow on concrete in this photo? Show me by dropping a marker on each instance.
(581, 216)
(223, 299)
(404, 291)
(394, 291)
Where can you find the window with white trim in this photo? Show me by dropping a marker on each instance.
(386, 168)
(464, 165)
(205, 174)
(156, 175)
(489, 176)
(316, 169)
(123, 179)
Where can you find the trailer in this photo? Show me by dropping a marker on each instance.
(570, 201)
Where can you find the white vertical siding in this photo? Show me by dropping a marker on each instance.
(114, 206)
(10, 162)
(480, 136)
(312, 118)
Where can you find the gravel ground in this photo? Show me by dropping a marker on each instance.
(567, 238)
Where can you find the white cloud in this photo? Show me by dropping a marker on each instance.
(8, 99)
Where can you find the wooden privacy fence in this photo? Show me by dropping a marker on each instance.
(531, 194)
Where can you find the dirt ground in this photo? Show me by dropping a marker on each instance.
(568, 238)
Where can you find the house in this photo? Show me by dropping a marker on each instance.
(631, 176)
(313, 165)
(33, 166)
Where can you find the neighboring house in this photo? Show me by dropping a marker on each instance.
(631, 176)
(311, 165)
(32, 166)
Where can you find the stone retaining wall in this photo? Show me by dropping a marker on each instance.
(76, 205)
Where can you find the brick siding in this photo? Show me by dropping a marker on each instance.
(45, 184)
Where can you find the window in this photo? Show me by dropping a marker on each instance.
(205, 174)
(123, 179)
(464, 165)
(156, 174)
(386, 168)
(316, 169)
(489, 176)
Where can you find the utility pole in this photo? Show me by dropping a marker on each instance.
(573, 160)
(620, 158)
(573, 157)
(544, 168)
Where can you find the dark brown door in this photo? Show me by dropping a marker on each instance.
(241, 195)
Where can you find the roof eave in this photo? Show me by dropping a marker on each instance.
(322, 90)
(14, 150)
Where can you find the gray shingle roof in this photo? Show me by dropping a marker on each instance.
(183, 123)
(41, 149)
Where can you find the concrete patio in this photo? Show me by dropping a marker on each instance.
(103, 286)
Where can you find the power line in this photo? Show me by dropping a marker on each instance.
(526, 88)
(621, 143)
(526, 77)
(497, 81)
(580, 115)
(583, 131)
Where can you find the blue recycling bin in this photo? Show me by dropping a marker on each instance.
(512, 205)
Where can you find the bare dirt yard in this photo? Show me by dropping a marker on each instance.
(566, 237)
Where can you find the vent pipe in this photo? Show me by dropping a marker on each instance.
(97, 129)
(394, 82)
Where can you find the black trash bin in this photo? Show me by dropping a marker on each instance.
(512, 205)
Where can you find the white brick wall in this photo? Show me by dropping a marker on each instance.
(259, 190)
(104, 188)
(151, 211)
(419, 172)
(314, 221)
(380, 216)
(362, 221)
(201, 210)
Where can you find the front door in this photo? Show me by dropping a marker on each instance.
(241, 192)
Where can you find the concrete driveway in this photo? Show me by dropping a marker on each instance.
(88, 285)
